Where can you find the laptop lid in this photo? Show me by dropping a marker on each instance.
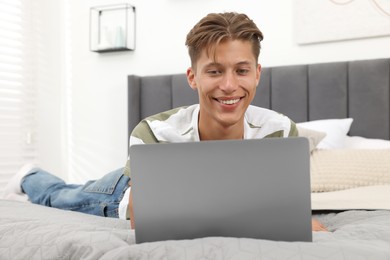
(234, 188)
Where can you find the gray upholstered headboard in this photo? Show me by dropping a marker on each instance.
(357, 89)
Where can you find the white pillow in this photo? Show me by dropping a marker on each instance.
(359, 142)
(336, 130)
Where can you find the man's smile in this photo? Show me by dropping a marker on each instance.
(228, 101)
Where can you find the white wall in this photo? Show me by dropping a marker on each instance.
(98, 81)
(46, 21)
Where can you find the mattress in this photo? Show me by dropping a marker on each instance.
(29, 231)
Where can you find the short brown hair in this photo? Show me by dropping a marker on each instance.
(218, 27)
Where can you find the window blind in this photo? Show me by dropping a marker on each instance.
(17, 91)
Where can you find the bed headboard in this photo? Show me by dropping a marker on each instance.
(357, 89)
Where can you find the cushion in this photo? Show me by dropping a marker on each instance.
(314, 137)
(341, 169)
(336, 130)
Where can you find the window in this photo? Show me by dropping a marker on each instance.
(17, 89)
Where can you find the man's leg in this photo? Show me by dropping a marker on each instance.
(100, 197)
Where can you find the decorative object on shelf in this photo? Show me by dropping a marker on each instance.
(112, 28)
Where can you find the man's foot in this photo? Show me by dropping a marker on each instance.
(16, 197)
(13, 190)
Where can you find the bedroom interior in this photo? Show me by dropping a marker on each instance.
(87, 103)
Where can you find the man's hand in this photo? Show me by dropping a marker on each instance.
(130, 209)
(317, 226)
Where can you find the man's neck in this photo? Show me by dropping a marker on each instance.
(218, 132)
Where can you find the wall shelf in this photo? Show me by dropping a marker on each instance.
(112, 28)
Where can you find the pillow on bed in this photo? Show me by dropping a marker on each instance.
(315, 137)
(341, 169)
(336, 130)
(359, 142)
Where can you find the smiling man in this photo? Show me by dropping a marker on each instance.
(225, 72)
(224, 50)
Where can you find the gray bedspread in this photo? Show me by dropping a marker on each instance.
(30, 231)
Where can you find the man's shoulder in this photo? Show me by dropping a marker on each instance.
(151, 128)
(163, 116)
(258, 115)
(269, 123)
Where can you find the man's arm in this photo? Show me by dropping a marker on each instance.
(141, 134)
(315, 224)
(130, 209)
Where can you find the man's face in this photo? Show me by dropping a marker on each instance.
(226, 85)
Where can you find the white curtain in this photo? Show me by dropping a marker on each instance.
(18, 143)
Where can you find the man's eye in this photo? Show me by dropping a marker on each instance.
(242, 71)
(213, 72)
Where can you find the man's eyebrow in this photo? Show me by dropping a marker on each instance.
(211, 64)
(217, 64)
(244, 63)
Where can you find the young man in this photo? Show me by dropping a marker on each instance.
(224, 50)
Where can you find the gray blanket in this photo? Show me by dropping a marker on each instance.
(30, 231)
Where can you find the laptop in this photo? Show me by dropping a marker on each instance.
(233, 188)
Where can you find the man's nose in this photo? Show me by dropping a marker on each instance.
(229, 82)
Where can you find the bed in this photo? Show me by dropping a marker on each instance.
(350, 196)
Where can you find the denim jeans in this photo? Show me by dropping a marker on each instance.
(99, 197)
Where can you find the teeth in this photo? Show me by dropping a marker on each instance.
(229, 102)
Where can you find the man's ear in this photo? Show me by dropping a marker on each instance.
(191, 78)
(258, 74)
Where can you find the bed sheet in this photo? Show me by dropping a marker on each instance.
(29, 231)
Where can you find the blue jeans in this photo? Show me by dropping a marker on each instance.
(99, 197)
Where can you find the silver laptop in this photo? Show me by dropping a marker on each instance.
(237, 188)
